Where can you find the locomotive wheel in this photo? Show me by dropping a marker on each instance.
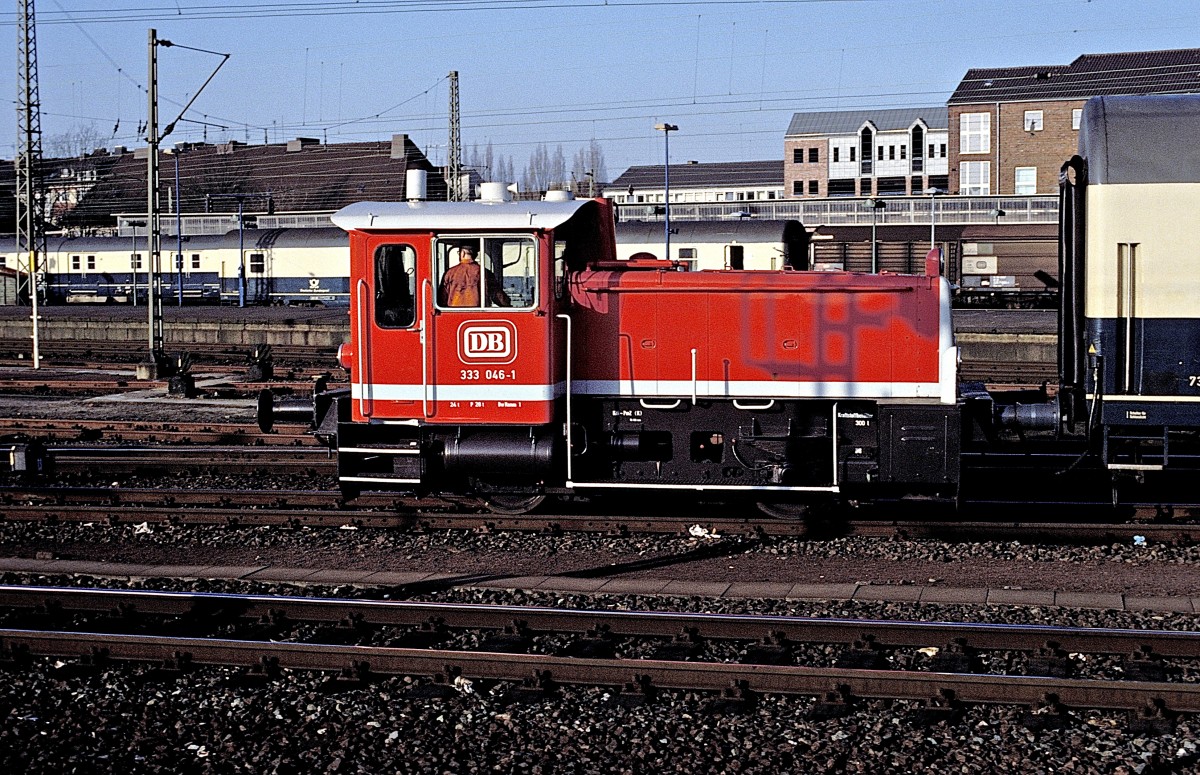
(512, 505)
(784, 510)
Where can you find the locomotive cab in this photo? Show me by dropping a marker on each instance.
(457, 347)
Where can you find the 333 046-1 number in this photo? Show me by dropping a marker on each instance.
(492, 375)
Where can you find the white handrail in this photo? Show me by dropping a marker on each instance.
(693, 376)
(753, 407)
(362, 354)
(426, 285)
(568, 387)
(673, 405)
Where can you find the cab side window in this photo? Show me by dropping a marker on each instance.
(395, 286)
(486, 272)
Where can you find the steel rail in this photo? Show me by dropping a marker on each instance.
(329, 508)
(365, 661)
(885, 634)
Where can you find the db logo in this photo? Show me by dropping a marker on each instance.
(491, 341)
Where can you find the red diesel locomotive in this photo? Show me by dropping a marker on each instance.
(499, 349)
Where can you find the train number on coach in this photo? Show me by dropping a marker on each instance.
(491, 375)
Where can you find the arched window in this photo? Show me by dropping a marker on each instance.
(866, 143)
(918, 148)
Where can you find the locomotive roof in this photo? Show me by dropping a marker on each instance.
(1131, 139)
(427, 216)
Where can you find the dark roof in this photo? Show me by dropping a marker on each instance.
(1147, 139)
(1135, 72)
(847, 122)
(696, 175)
(310, 177)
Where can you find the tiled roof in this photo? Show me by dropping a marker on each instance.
(846, 122)
(696, 175)
(1136, 72)
(316, 177)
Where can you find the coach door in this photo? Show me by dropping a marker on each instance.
(490, 331)
(386, 366)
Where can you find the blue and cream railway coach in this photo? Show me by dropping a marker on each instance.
(1130, 328)
(280, 266)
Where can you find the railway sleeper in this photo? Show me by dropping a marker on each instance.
(956, 657)
(863, 654)
(1050, 661)
(834, 704)
(357, 676)
(534, 688)
(1154, 719)
(637, 692)
(942, 708)
(736, 698)
(1048, 714)
(686, 645)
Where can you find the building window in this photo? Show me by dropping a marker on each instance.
(797, 188)
(852, 150)
(1026, 180)
(814, 187)
(974, 178)
(1076, 116)
(258, 263)
(1033, 121)
(76, 263)
(91, 262)
(903, 152)
(865, 141)
(835, 152)
(932, 151)
(975, 133)
(814, 155)
(797, 155)
(891, 153)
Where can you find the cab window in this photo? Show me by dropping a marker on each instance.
(486, 272)
(395, 286)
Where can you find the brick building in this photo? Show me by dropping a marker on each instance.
(865, 152)
(1013, 127)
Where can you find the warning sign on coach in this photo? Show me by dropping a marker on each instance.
(487, 341)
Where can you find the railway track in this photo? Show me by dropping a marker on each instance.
(942, 664)
(246, 434)
(15, 352)
(314, 508)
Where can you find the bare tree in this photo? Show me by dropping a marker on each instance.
(79, 141)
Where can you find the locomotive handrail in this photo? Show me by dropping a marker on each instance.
(648, 405)
(693, 376)
(364, 350)
(753, 407)
(426, 286)
(567, 318)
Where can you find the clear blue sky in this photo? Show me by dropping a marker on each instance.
(730, 74)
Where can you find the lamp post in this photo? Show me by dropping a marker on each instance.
(876, 205)
(667, 129)
(133, 256)
(933, 192)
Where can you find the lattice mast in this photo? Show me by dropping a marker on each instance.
(31, 226)
(454, 191)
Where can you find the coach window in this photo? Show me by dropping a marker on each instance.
(504, 272)
(195, 261)
(258, 263)
(395, 286)
(76, 263)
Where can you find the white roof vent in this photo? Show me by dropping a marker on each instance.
(495, 192)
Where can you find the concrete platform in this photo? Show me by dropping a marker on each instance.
(661, 587)
(994, 336)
